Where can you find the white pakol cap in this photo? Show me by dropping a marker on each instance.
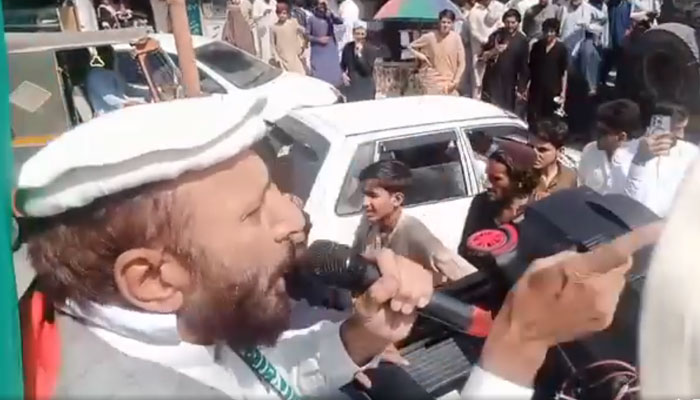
(134, 146)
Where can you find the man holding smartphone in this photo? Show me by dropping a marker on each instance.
(662, 159)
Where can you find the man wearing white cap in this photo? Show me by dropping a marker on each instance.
(162, 245)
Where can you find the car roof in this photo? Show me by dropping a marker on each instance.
(167, 41)
(43, 41)
(361, 117)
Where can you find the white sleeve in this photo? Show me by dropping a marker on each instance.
(583, 170)
(485, 385)
(494, 13)
(314, 360)
(639, 181)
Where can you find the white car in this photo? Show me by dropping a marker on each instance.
(323, 149)
(224, 68)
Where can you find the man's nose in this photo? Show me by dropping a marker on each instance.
(291, 224)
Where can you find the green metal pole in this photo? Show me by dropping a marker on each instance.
(11, 383)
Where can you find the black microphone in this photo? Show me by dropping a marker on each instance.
(337, 265)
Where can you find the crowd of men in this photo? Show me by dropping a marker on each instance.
(537, 58)
(307, 37)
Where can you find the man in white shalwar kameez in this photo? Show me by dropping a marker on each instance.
(484, 18)
(264, 18)
(350, 14)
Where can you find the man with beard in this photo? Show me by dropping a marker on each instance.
(160, 246)
(506, 57)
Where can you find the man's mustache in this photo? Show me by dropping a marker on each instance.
(294, 253)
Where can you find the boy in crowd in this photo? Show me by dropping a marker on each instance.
(548, 143)
(385, 225)
(605, 163)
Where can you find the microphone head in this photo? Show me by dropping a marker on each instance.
(334, 264)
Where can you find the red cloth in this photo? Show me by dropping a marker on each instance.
(41, 347)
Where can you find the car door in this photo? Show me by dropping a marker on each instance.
(440, 193)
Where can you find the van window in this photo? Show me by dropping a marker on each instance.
(206, 82)
(434, 160)
(243, 70)
(481, 139)
(435, 163)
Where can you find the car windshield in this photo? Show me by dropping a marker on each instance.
(294, 154)
(236, 66)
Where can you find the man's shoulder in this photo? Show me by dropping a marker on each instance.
(590, 148)
(412, 227)
(688, 150)
(411, 221)
(553, 9)
(91, 367)
(566, 174)
(687, 146)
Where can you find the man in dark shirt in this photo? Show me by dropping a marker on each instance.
(506, 54)
(548, 65)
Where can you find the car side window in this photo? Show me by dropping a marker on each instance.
(510, 132)
(350, 199)
(435, 163)
(206, 82)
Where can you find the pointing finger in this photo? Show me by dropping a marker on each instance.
(617, 253)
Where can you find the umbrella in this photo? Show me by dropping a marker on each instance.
(415, 10)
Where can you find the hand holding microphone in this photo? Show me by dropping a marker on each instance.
(393, 288)
(385, 312)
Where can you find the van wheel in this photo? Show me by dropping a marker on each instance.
(493, 241)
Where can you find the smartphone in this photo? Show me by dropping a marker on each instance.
(659, 124)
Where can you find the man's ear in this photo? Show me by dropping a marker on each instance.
(152, 280)
(398, 199)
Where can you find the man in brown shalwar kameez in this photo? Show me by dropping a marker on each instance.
(386, 225)
(237, 30)
(287, 41)
(442, 55)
